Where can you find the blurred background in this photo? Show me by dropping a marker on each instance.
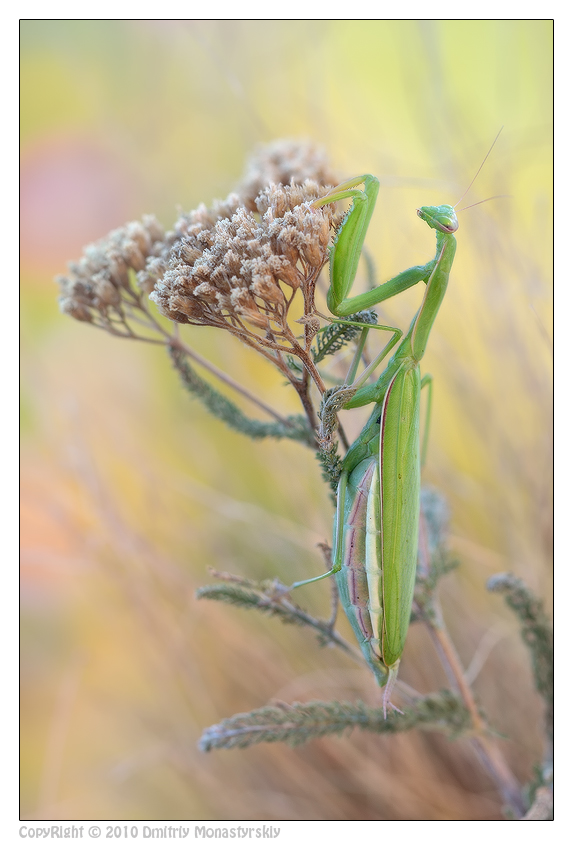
(130, 491)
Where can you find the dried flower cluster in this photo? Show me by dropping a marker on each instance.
(236, 265)
(99, 287)
(282, 163)
(232, 267)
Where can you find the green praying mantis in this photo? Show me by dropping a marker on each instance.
(375, 536)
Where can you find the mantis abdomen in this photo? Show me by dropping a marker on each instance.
(377, 548)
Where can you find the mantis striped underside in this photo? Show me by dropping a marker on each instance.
(375, 537)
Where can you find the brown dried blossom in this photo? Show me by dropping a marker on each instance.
(196, 225)
(236, 265)
(99, 286)
(229, 271)
(284, 162)
(222, 266)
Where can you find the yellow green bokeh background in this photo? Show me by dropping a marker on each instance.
(130, 490)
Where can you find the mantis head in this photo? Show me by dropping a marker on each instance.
(440, 217)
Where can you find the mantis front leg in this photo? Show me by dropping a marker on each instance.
(347, 247)
(344, 257)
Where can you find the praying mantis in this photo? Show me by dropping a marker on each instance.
(375, 536)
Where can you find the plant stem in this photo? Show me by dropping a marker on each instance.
(483, 744)
(222, 376)
(173, 340)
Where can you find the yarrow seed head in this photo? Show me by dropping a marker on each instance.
(236, 265)
(97, 284)
(236, 268)
(285, 162)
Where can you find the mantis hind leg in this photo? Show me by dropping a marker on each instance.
(389, 688)
(337, 550)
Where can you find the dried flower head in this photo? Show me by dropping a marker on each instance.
(285, 162)
(197, 226)
(99, 286)
(233, 268)
(236, 265)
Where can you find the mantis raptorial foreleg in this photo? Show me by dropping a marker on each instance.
(347, 249)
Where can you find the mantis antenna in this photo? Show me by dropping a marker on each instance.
(478, 172)
(496, 197)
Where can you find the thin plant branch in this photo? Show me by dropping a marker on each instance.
(300, 722)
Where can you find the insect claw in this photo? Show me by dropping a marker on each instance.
(389, 688)
(279, 590)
